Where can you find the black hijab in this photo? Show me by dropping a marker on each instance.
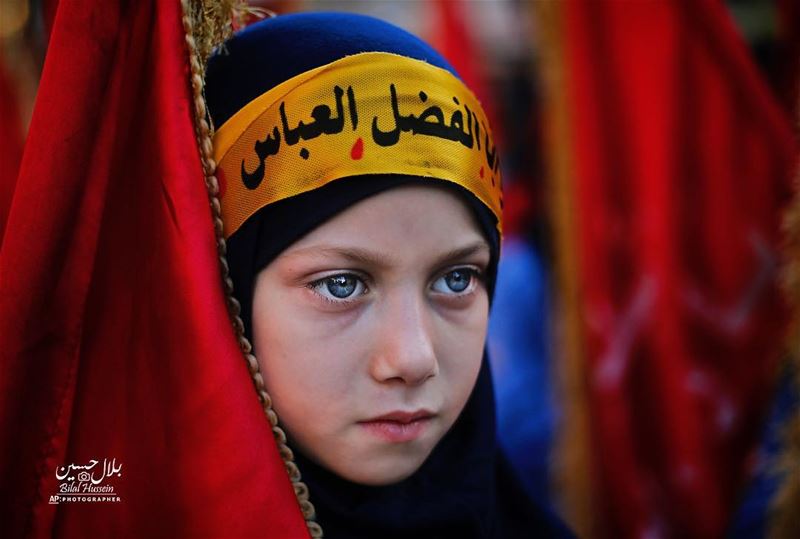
(465, 488)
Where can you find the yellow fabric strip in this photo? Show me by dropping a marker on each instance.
(370, 113)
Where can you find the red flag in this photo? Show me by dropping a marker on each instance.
(680, 166)
(117, 353)
(11, 146)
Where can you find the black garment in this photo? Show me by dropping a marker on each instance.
(465, 488)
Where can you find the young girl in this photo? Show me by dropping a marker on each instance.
(360, 195)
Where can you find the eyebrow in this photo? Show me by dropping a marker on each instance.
(379, 259)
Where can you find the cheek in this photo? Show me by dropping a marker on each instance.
(305, 365)
(460, 351)
(289, 359)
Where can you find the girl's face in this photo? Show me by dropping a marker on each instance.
(370, 331)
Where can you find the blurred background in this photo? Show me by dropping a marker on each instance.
(638, 334)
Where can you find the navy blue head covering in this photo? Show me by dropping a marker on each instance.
(465, 488)
(272, 51)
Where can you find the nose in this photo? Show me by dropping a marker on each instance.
(404, 350)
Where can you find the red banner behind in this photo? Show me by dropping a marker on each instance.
(682, 165)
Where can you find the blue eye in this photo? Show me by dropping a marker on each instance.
(341, 286)
(455, 282)
(338, 287)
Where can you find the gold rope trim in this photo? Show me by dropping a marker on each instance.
(207, 23)
(573, 463)
(784, 513)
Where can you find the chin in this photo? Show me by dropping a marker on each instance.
(378, 479)
(381, 471)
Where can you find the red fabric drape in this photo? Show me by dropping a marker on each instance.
(10, 143)
(115, 339)
(682, 164)
(450, 33)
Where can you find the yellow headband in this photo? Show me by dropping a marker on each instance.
(370, 113)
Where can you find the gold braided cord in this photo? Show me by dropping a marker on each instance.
(573, 467)
(207, 23)
(785, 509)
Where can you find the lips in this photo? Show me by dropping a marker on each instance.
(398, 426)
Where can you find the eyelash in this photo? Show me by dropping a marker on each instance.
(476, 274)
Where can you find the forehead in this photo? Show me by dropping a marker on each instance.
(403, 219)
